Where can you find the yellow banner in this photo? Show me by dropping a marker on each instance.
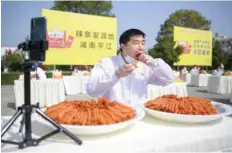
(197, 46)
(79, 39)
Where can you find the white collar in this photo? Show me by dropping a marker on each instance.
(119, 59)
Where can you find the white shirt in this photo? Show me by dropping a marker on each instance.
(194, 71)
(76, 72)
(221, 71)
(184, 71)
(40, 72)
(131, 89)
(218, 72)
(215, 73)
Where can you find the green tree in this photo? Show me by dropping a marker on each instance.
(228, 66)
(166, 50)
(102, 8)
(219, 56)
(165, 44)
(225, 60)
(13, 61)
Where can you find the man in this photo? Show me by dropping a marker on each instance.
(219, 71)
(37, 72)
(194, 70)
(117, 79)
(184, 70)
(215, 72)
(76, 72)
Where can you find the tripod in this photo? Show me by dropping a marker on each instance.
(26, 110)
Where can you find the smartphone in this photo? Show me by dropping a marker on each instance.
(38, 36)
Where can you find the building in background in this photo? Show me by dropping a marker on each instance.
(225, 43)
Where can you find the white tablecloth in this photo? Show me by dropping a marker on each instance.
(186, 77)
(222, 84)
(200, 80)
(21, 77)
(147, 136)
(46, 92)
(75, 84)
(178, 89)
(84, 81)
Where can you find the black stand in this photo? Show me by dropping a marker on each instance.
(26, 110)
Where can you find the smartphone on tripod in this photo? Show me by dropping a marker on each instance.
(38, 33)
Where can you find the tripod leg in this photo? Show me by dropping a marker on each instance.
(10, 122)
(61, 128)
(21, 124)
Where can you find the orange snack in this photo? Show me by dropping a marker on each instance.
(91, 112)
(183, 105)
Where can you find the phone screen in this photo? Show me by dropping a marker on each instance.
(38, 33)
(38, 29)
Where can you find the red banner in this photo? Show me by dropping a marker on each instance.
(57, 39)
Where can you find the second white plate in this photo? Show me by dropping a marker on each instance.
(222, 110)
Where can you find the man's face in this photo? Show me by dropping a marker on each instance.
(135, 46)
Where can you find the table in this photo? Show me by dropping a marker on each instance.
(178, 89)
(200, 80)
(220, 84)
(21, 77)
(84, 81)
(75, 84)
(72, 85)
(147, 136)
(46, 92)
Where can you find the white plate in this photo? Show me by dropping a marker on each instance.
(222, 110)
(99, 129)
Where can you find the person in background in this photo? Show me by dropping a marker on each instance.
(198, 70)
(203, 71)
(37, 72)
(124, 78)
(75, 71)
(184, 70)
(215, 72)
(219, 71)
(194, 70)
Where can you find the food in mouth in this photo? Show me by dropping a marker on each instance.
(137, 56)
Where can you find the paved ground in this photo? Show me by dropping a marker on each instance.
(8, 99)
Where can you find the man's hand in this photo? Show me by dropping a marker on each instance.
(33, 76)
(36, 76)
(145, 59)
(125, 70)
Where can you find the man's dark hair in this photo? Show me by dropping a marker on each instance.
(126, 35)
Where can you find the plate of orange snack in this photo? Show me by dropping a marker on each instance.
(186, 109)
(93, 117)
